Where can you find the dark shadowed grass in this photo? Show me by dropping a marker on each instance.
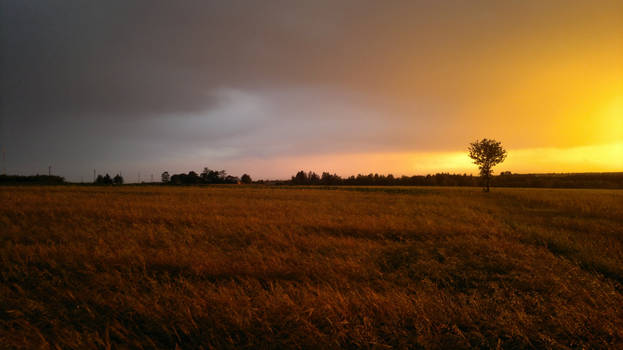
(236, 267)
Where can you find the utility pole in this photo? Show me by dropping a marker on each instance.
(93, 175)
(49, 170)
(139, 177)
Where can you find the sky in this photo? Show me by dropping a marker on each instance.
(273, 87)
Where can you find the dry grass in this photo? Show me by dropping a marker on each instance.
(236, 267)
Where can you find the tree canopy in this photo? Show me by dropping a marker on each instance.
(486, 153)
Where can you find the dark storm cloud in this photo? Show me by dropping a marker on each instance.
(146, 58)
(149, 57)
(80, 59)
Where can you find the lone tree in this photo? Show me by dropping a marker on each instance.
(486, 154)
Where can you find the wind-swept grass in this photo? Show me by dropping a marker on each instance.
(236, 267)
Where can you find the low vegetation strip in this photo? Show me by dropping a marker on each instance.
(269, 267)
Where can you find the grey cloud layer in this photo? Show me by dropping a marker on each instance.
(144, 58)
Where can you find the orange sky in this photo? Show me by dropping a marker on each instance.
(551, 90)
(553, 94)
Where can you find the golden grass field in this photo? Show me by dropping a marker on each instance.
(268, 267)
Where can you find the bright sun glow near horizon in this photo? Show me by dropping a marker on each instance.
(593, 158)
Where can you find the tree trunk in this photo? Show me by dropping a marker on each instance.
(486, 187)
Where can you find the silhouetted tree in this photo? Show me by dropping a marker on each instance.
(328, 179)
(300, 178)
(246, 179)
(107, 180)
(165, 177)
(221, 175)
(213, 176)
(192, 178)
(231, 179)
(118, 179)
(486, 154)
(103, 180)
(313, 178)
(176, 179)
(206, 174)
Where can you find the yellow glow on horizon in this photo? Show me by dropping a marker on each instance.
(594, 158)
(613, 119)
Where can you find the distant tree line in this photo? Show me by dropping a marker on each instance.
(207, 176)
(569, 180)
(32, 179)
(505, 179)
(328, 179)
(107, 180)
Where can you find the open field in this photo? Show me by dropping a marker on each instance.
(156, 267)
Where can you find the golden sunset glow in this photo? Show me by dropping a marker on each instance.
(592, 158)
